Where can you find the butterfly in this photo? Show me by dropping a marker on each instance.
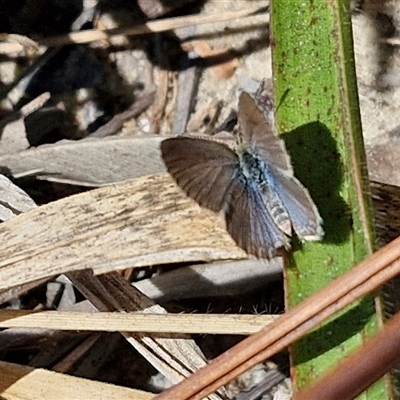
(254, 186)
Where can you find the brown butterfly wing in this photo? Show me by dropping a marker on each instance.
(204, 169)
(260, 136)
(250, 224)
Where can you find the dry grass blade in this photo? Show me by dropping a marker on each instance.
(361, 280)
(227, 324)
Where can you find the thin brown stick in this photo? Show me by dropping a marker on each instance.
(75, 355)
(358, 282)
(395, 41)
(160, 101)
(163, 25)
(112, 127)
(26, 110)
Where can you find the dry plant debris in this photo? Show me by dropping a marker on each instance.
(71, 75)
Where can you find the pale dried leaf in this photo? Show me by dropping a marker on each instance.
(145, 221)
(89, 162)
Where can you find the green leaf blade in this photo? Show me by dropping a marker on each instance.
(316, 93)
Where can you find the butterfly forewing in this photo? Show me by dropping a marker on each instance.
(259, 135)
(250, 224)
(204, 169)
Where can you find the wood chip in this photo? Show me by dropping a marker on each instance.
(19, 382)
(13, 200)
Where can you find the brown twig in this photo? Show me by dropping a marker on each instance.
(187, 88)
(394, 41)
(116, 123)
(26, 110)
(76, 354)
(167, 24)
(358, 282)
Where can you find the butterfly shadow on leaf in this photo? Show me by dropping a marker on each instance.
(317, 164)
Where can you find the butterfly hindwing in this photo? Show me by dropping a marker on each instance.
(302, 211)
(250, 224)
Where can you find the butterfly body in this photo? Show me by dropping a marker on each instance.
(259, 175)
(255, 187)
